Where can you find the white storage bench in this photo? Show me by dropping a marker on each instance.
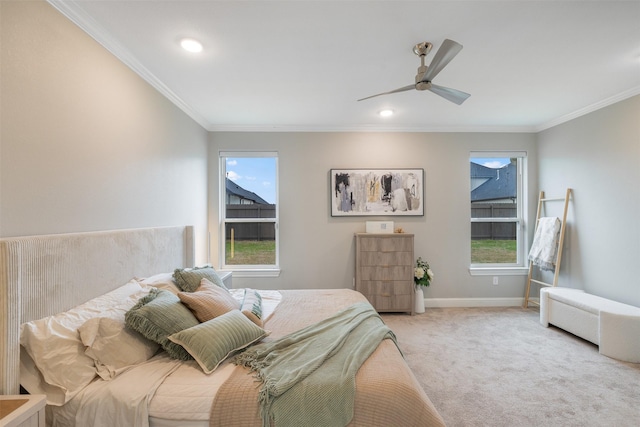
(613, 326)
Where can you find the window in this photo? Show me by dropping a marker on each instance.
(497, 211)
(249, 212)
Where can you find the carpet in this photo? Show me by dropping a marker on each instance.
(499, 367)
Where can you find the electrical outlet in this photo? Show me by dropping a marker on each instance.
(495, 280)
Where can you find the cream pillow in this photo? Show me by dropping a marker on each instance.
(208, 301)
(113, 347)
(67, 370)
(161, 281)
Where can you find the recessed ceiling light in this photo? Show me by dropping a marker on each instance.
(386, 113)
(191, 45)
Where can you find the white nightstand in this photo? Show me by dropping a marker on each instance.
(24, 410)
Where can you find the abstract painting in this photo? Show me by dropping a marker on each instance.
(382, 192)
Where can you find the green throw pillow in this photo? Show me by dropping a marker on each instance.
(158, 315)
(188, 279)
(213, 341)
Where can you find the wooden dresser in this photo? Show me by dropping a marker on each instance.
(384, 270)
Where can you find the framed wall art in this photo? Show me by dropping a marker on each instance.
(377, 192)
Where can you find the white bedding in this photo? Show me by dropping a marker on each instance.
(161, 392)
(122, 401)
(187, 395)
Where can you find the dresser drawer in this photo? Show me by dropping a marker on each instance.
(392, 303)
(386, 244)
(386, 288)
(386, 258)
(389, 295)
(389, 272)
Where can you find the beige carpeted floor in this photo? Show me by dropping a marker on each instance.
(500, 367)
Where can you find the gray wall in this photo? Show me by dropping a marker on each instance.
(85, 143)
(317, 250)
(598, 155)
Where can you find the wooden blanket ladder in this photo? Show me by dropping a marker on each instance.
(541, 201)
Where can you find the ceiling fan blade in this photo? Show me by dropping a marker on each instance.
(453, 95)
(402, 89)
(448, 50)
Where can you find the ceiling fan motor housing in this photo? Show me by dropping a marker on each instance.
(422, 49)
(420, 84)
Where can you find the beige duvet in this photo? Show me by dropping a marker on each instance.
(387, 393)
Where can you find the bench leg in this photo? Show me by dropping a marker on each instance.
(544, 307)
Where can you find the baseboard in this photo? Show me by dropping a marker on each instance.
(475, 302)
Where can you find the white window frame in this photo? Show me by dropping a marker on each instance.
(244, 270)
(521, 220)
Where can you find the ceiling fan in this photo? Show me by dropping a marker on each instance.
(426, 74)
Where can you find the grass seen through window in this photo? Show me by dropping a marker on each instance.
(251, 252)
(254, 252)
(493, 251)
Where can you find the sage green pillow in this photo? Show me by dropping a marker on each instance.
(188, 279)
(158, 315)
(211, 342)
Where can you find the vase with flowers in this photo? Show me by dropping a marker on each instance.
(422, 276)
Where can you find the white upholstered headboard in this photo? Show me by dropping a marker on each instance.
(44, 275)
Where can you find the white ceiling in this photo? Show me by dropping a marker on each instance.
(301, 65)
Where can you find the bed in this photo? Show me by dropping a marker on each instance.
(47, 276)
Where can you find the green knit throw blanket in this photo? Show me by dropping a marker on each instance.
(309, 376)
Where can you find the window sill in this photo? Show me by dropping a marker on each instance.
(268, 272)
(498, 271)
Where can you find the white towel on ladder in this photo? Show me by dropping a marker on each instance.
(545, 243)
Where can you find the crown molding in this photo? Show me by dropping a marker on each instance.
(589, 109)
(76, 14)
(372, 128)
